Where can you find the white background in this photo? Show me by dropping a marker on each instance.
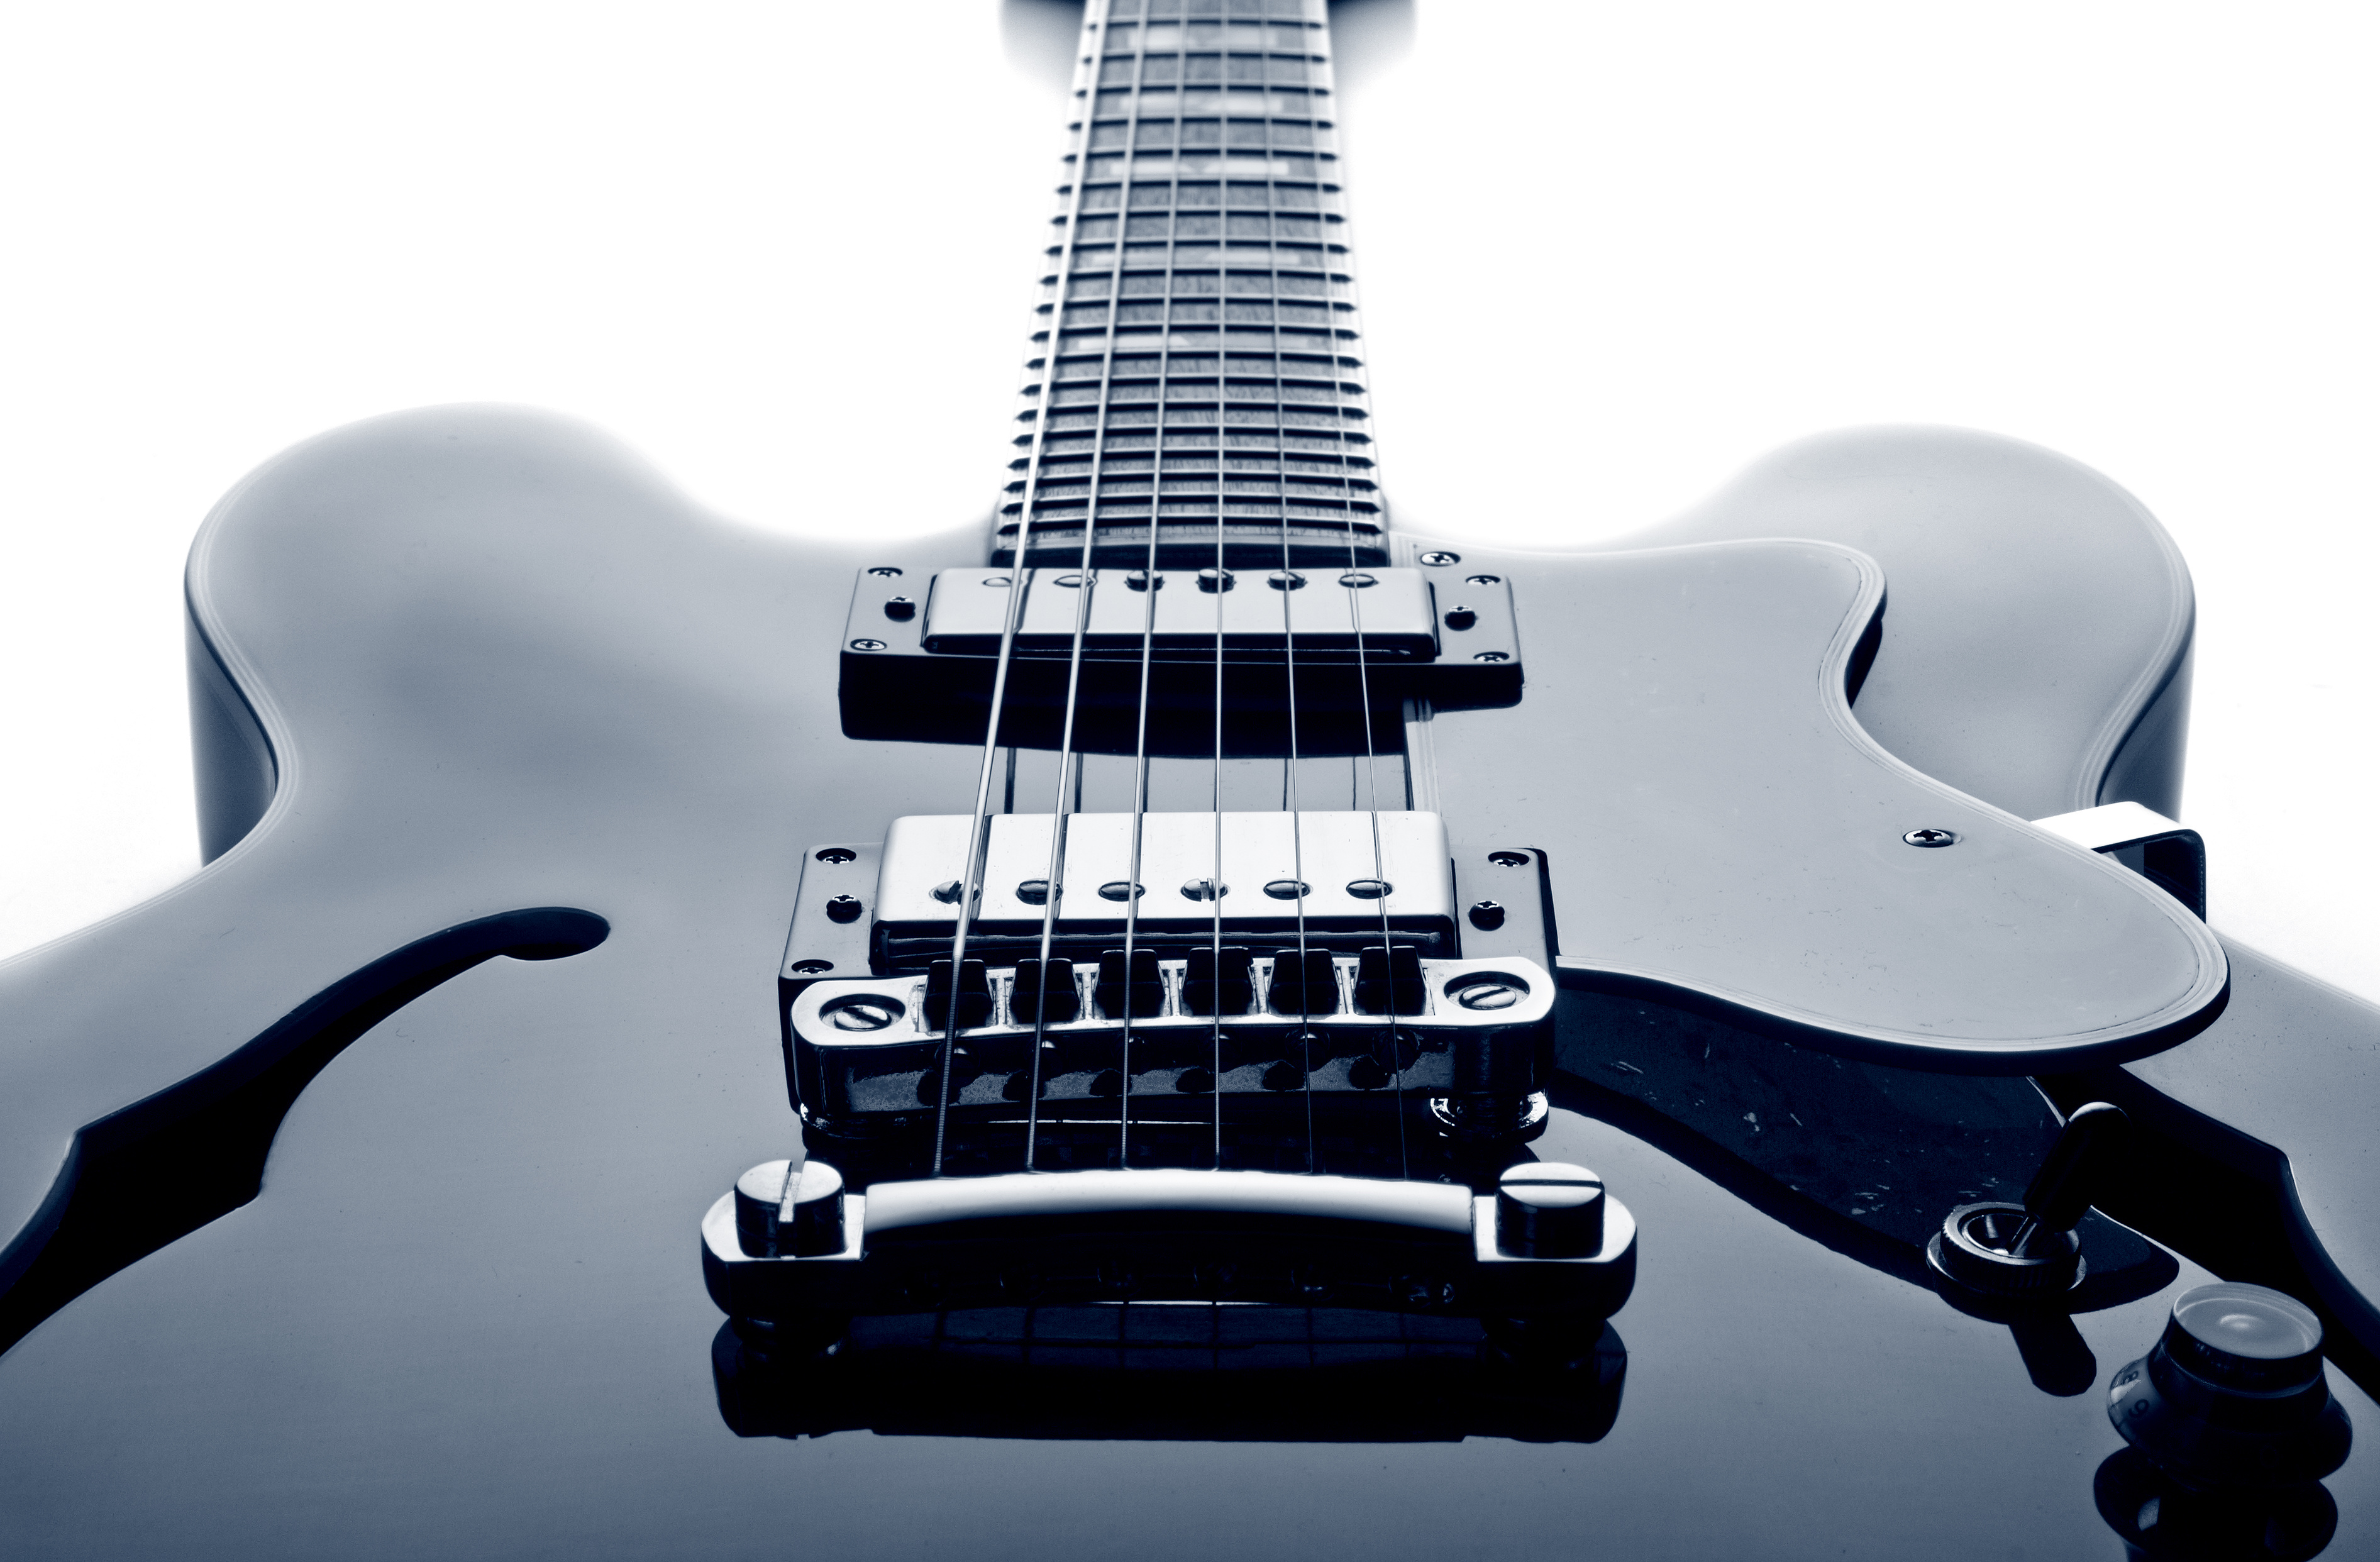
(1611, 253)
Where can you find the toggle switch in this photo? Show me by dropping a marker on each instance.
(2029, 1251)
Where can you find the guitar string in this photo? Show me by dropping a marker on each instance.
(1216, 888)
(970, 880)
(1354, 589)
(1302, 1044)
(1086, 582)
(1151, 583)
(1062, 806)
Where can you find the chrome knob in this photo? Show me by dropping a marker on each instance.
(2233, 1395)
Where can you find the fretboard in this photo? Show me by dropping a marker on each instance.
(1195, 362)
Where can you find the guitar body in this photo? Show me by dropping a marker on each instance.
(510, 695)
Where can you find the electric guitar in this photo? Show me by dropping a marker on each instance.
(1372, 1043)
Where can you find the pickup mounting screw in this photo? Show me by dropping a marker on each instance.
(1488, 916)
(864, 643)
(900, 608)
(1931, 837)
(885, 572)
(1509, 859)
(812, 967)
(1483, 580)
(838, 855)
(1459, 617)
(1439, 560)
(844, 908)
(1492, 656)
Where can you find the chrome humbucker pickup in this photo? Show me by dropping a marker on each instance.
(869, 1053)
(1344, 647)
(1332, 879)
(1389, 617)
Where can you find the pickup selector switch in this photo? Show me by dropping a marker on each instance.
(2029, 1251)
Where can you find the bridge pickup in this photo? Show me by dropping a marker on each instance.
(1319, 879)
(1345, 655)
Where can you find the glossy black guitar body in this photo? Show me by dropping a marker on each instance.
(473, 683)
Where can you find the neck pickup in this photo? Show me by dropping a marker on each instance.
(1341, 648)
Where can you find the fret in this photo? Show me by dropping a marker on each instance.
(1195, 357)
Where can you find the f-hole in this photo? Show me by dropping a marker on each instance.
(158, 1171)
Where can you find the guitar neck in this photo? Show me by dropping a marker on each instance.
(1195, 363)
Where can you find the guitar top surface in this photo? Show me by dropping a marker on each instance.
(506, 670)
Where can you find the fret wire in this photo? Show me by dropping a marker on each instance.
(1312, 142)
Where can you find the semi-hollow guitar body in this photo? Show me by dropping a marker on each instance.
(327, 1232)
(518, 698)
